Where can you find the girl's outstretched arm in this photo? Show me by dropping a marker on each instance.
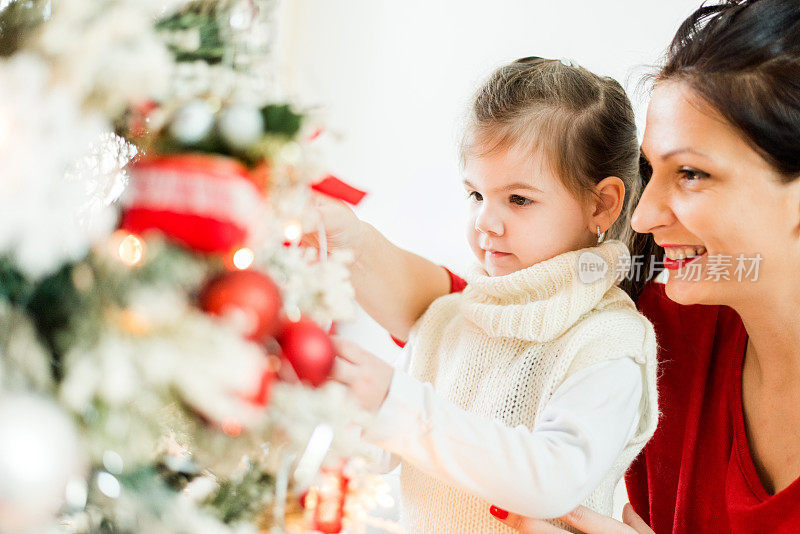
(394, 286)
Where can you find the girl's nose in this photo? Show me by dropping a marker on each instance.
(488, 222)
(653, 209)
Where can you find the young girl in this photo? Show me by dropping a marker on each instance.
(534, 388)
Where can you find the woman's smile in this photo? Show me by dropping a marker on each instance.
(676, 256)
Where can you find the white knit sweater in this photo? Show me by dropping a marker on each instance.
(500, 350)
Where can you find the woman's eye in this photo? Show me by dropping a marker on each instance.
(692, 175)
(520, 201)
(474, 194)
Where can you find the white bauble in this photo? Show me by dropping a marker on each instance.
(241, 125)
(192, 122)
(39, 454)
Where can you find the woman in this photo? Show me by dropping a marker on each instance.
(723, 139)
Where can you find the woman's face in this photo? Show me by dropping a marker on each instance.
(714, 197)
(520, 209)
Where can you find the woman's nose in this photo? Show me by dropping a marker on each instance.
(488, 221)
(653, 209)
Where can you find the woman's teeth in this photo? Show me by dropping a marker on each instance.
(681, 253)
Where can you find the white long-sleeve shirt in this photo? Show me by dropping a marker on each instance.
(531, 391)
(544, 472)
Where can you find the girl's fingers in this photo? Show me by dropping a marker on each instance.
(346, 349)
(287, 373)
(525, 525)
(632, 519)
(591, 522)
(343, 371)
(319, 198)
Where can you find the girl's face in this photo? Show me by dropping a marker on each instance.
(713, 198)
(520, 212)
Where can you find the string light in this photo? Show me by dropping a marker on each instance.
(243, 258)
(293, 230)
(129, 248)
(231, 428)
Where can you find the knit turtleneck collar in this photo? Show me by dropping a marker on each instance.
(541, 302)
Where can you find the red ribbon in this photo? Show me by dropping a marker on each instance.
(334, 187)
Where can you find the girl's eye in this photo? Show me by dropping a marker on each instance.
(692, 175)
(520, 201)
(474, 194)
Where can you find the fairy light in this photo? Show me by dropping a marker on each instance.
(384, 500)
(243, 258)
(293, 230)
(129, 248)
(231, 428)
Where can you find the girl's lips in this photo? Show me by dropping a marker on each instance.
(496, 255)
(674, 265)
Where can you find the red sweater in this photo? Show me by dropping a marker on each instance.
(696, 474)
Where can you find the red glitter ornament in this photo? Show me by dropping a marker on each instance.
(309, 349)
(252, 295)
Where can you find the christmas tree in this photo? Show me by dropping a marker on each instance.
(164, 347)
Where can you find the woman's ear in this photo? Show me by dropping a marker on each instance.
(607, 203)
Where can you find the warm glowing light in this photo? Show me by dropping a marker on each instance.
(82, 277)
(312, 499)
(131, 322)
(293, 230)
(231, 428)
(243, 258)
(131, 249)
(384, 500)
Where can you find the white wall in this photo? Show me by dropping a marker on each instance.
(393, 79)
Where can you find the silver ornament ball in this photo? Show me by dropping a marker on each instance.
(192, 122)
(39, 455)
(241, 125)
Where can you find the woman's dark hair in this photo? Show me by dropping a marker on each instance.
(742, 57)
(646, 255)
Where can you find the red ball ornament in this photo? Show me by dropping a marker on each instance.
(309, 349)
(205, 202)
(251, 294)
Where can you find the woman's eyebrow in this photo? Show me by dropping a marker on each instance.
(676, 151)
(510, 187)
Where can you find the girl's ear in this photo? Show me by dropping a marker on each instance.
(607, 203)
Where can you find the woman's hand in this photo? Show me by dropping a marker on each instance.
(582, 518)
(365, 375)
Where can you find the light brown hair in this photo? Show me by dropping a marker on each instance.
(583, 122)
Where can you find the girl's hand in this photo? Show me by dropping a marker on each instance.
(343, 229)
(366, 376)
(584, 519)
